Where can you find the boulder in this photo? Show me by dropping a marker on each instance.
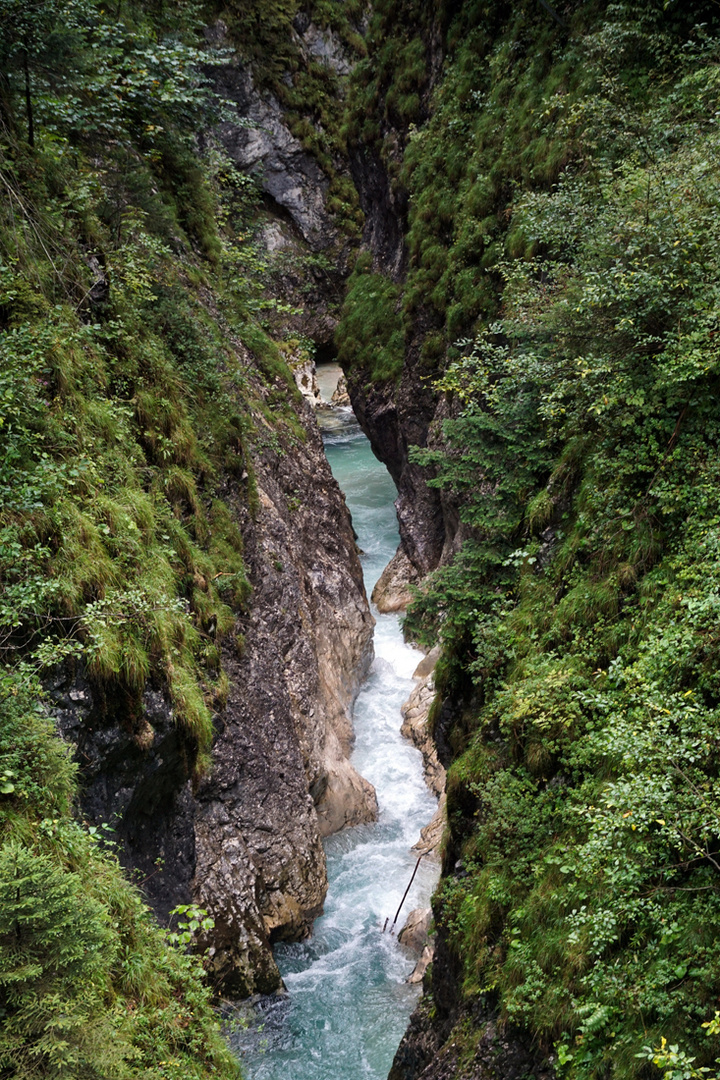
(392, 591)
(414, 933)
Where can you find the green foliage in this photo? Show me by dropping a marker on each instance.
(578, 623)
(518, 100)
(55, 939)
(191, 920)
(388, 85)
(89, 985)
(370, 335)
(81, 74)
(676, 1063)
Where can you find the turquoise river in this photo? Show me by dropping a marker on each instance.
(348, 1002)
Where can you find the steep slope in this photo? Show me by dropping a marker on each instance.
(547, 343)
(179, 582)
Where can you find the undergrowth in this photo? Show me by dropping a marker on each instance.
(562, 233)
(89, 985)
(370, 335)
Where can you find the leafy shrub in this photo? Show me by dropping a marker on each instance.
(89, 985)
(577, 623)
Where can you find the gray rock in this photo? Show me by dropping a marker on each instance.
(427, 664)
(431, 837)
(340, 395)
(415, 714)
(306, 381)
(244, 842)
(325, 46)
(392, 591)
(261, 142)
(418, 972)
(414, 934)
(281, 772)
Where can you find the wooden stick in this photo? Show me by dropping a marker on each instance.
(405, 893)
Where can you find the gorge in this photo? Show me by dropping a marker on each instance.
(348, 1001)
(502, 222)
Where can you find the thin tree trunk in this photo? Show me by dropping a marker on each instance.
(553, 12)
(6, 115)
(28, 100)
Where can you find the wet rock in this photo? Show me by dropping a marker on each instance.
(490, 1052)
(432, 835)
(415, 713)
(414, 933)
(427, 664)
(340, 395)
(306, 380)
(281, 777)
(348, 798)
(394, 418)
(448, 1039)
(426, 959)
(134, 769)
(392, 591)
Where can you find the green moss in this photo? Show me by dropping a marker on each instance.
(370, 335)
(90, 985)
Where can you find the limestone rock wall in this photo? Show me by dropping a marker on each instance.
(260, 141)
(244, 841)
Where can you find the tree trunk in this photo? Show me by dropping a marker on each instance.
(28, 100)
(6, 113)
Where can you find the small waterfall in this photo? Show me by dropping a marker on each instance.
(348, 1003)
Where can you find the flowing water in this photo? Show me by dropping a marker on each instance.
(348, 1003)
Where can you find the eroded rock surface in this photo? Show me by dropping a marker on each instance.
(260, 142)
(244, 841)
(281, 778)
(306, 380)
(495, 1053)
(395, 418)
(426, 958)
(415, 713)
(415, 727)
(340, 394)
(415, 932)
(392, 591)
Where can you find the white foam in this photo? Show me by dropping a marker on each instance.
(349, 1002)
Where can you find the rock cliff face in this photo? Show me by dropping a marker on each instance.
(244, 841)
(281, 778)
(430, 1052)
(260, 141)
(395, 418)
(291, 177)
